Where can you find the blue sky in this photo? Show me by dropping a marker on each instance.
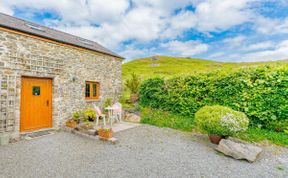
(226, 30)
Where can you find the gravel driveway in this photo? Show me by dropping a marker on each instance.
(145, 151)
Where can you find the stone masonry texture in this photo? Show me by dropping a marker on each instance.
(68, 68)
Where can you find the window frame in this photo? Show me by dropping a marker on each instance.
(91, 90)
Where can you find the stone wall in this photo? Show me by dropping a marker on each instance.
(68, 67)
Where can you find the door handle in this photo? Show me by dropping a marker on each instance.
(47, 103)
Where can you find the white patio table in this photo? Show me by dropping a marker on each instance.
(111, 116)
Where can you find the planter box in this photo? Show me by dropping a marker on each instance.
(105, 133)
(71, 123)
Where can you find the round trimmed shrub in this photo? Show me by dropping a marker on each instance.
(220, 120)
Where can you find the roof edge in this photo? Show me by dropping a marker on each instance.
(58, 41)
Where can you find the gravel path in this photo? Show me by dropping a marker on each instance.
(145, 151)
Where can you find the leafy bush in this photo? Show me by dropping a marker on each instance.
(152, 92)
(133, 84)
(77, 116)
(108, 102)
(221, 120)
(89, 115)
(259, 92)
(278, 126)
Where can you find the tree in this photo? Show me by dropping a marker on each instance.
(133, 85)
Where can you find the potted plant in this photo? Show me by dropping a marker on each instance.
(220, 122)
(71, 123)
(105, 133)
(77, 116)
(89, 115)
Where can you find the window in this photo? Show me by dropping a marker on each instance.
(36, 91)
(92, 90)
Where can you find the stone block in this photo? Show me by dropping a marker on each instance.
(239, 149)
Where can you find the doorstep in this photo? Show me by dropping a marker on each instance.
(36, 134)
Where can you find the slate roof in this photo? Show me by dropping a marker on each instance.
(10, 22)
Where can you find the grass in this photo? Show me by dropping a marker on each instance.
(167, 119)
(166, 66)
(258, 135)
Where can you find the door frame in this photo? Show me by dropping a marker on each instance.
(21, 104)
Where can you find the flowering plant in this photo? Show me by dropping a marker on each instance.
(105, 129)
(221, 120)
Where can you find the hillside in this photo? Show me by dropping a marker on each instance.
(164, 66)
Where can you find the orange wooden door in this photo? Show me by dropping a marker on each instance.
(36, 104)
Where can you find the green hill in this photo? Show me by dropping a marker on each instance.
(164, 66)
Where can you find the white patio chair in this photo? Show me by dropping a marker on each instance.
(98, 115)
(117, 111)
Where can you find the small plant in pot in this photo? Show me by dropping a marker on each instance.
(220, 122)
(105, 133)
(89, 115)
(72, 123)
(77, 116)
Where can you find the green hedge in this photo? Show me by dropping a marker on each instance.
(261, 93)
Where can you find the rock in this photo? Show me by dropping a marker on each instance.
(130, 117)
(92, 132)
(239, 149)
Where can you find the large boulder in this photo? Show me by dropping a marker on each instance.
(239, 149)
(131, 117)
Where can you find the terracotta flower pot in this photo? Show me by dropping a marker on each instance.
(71, 123)
(215, 138)
(105, 133)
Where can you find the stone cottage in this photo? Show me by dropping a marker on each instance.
(46, 74)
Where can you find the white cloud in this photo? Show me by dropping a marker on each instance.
(217, 55)
(76, 11)
(213, 15)
(113, 22)
(143, 20)
(235, 41)
(179, 23)
(279, 52)
(259, 46)
(188, 48)
(4, 8)
(141, 24)
(271, 26)
(132, 52)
